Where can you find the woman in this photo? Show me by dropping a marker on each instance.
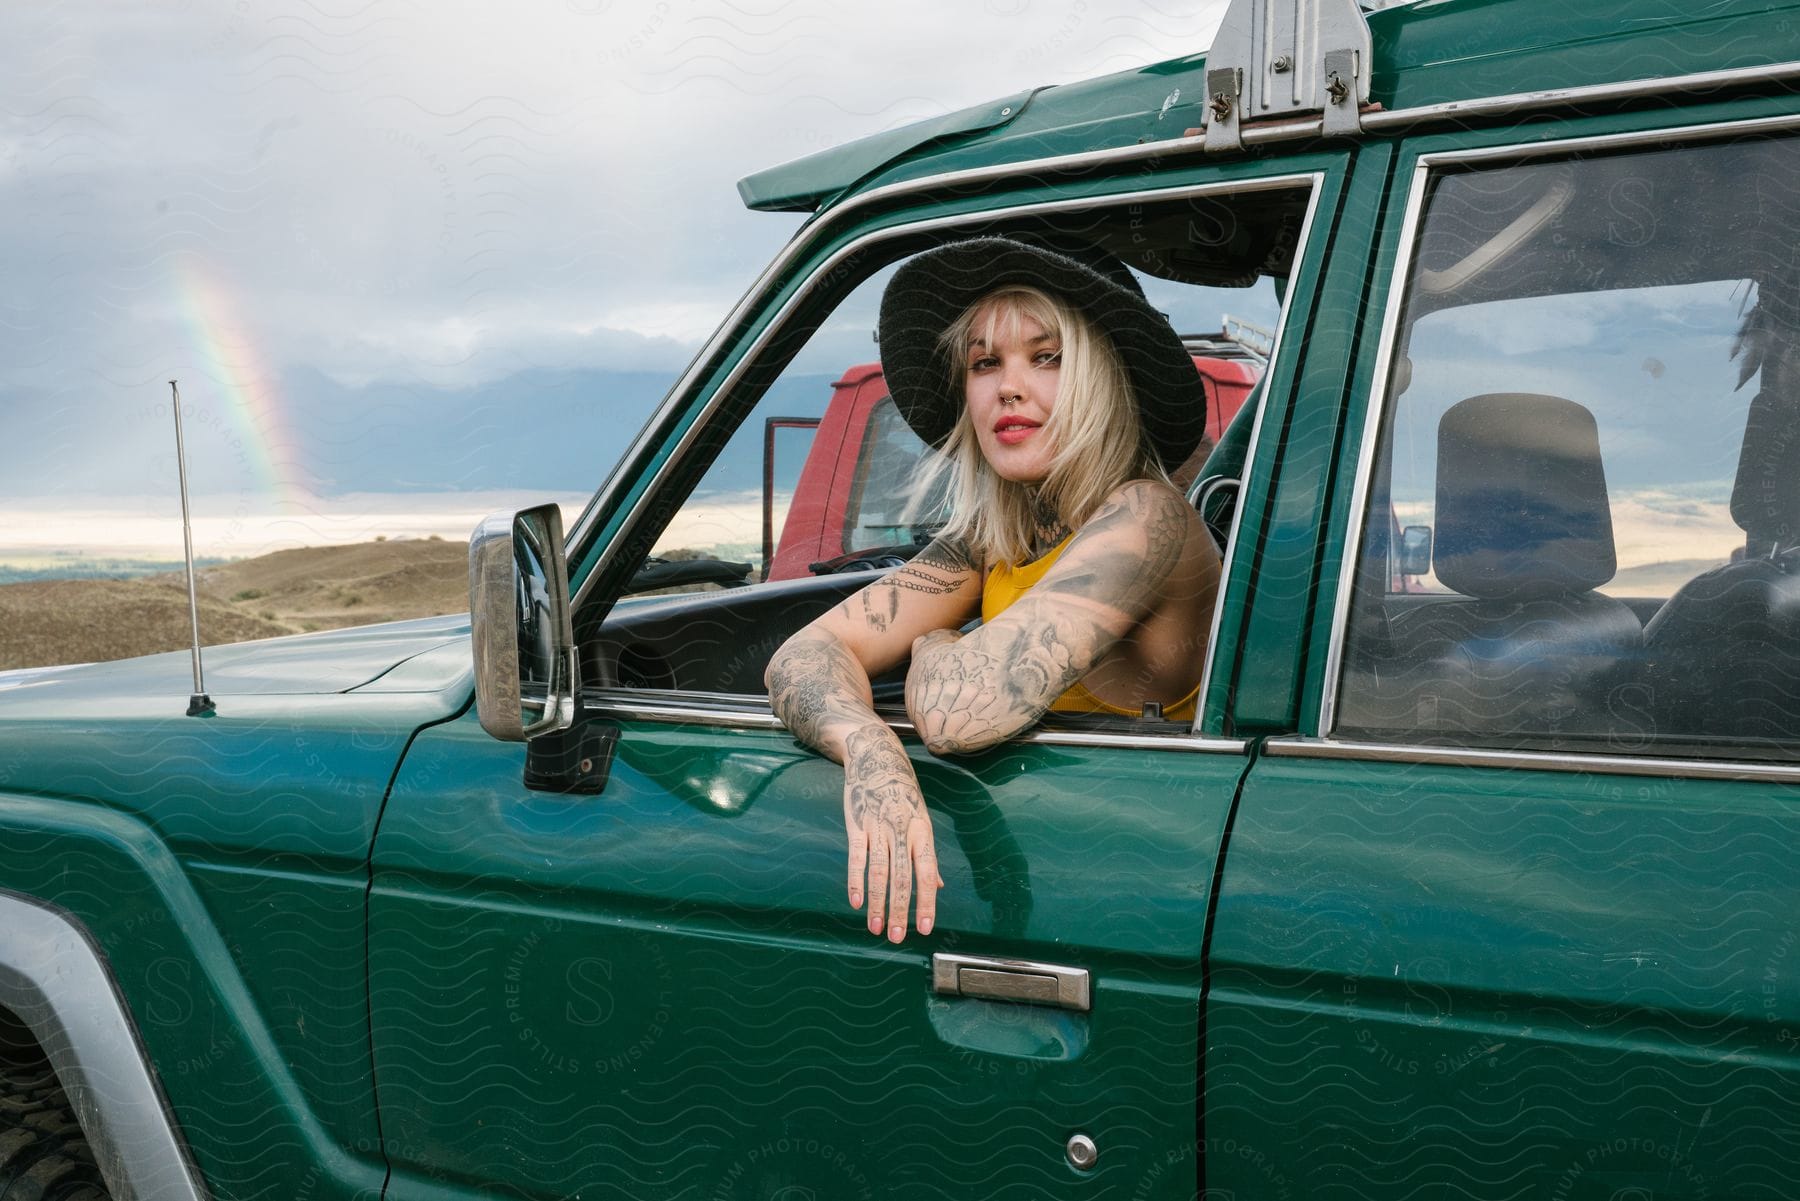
(1060, 399)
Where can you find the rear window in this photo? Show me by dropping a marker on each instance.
(1583, 516)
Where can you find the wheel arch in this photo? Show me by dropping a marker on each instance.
(55, 982)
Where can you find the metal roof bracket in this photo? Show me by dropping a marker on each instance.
(1345, 89)
(1224, 96)
(1287, 58)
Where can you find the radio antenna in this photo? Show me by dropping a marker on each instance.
(199, 704)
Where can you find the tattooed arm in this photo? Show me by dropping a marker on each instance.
(968, 693)
(819, 686)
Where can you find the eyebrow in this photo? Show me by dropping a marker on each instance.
(982, 342)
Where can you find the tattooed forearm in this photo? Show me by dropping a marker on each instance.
(874, 754)
(818, 690)
(963, 696)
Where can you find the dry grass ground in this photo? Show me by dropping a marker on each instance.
(288, 592)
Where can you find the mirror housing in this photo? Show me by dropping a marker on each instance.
(1415, 550)
(525, 664)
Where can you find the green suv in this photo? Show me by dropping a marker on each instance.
(1476, 877)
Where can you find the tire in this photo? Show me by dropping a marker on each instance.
(43, 1154)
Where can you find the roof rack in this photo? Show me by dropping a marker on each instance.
(1235, 338)
(1286, 58)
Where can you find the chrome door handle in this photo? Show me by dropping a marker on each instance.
(1011, 980)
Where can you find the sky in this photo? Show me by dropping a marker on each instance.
(410, 260)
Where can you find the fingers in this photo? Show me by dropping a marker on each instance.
(900, 889)
(889, 836)
(894, 863)
(880, 840)
(859, 863)
(925, 870)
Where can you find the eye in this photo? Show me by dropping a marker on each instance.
(983, 362)
(1048, 358)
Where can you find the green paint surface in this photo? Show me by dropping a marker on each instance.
(662, 990)
(1508, 983)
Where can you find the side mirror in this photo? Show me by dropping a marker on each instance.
(1415, 550)
(525, 666)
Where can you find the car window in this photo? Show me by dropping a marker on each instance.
(774, 482)
(1583, 497)
(887, 505)
(822, 480)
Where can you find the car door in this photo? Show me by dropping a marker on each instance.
(658, 989)
(1511, 915)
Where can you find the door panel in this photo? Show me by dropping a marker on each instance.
(661, 991)
(1471, 939)
(1506, 984)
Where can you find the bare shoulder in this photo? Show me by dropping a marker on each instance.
(1149, 513)
(1137, 542)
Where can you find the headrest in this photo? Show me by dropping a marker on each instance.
(1521, 499)
(1765, 500)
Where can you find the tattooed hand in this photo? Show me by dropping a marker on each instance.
(890, 833)
(819, 686)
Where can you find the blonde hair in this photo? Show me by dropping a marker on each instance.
(1094, 428)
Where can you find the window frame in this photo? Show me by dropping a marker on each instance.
(1382, 399)
(665, 704)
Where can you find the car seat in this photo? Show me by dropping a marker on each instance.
(1722, 656)
(1523, 536)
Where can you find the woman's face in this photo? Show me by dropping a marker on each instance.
(1010, 388)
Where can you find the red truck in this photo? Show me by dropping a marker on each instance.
(853, 504)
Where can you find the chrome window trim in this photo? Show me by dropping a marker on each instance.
(1683, 133)
(1373, 122)
(1246, 469)
(1630, 89)
(1365, 453)
(1379, 403)
(1298, 747)
(735, 712)
(52, 977)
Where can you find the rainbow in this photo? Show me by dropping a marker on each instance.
(232, 369)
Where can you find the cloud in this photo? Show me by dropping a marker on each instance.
(357, 176)
(343, 227)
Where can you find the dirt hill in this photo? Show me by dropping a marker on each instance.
(288, 592)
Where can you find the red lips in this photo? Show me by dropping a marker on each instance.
(1010, 431)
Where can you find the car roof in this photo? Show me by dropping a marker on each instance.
(1430, 52)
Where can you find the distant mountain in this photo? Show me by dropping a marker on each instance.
(99, 569)
(551, 431)
(537, 431)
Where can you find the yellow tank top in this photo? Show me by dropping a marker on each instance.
(1006, 584)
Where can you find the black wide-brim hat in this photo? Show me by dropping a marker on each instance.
(931, 291)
